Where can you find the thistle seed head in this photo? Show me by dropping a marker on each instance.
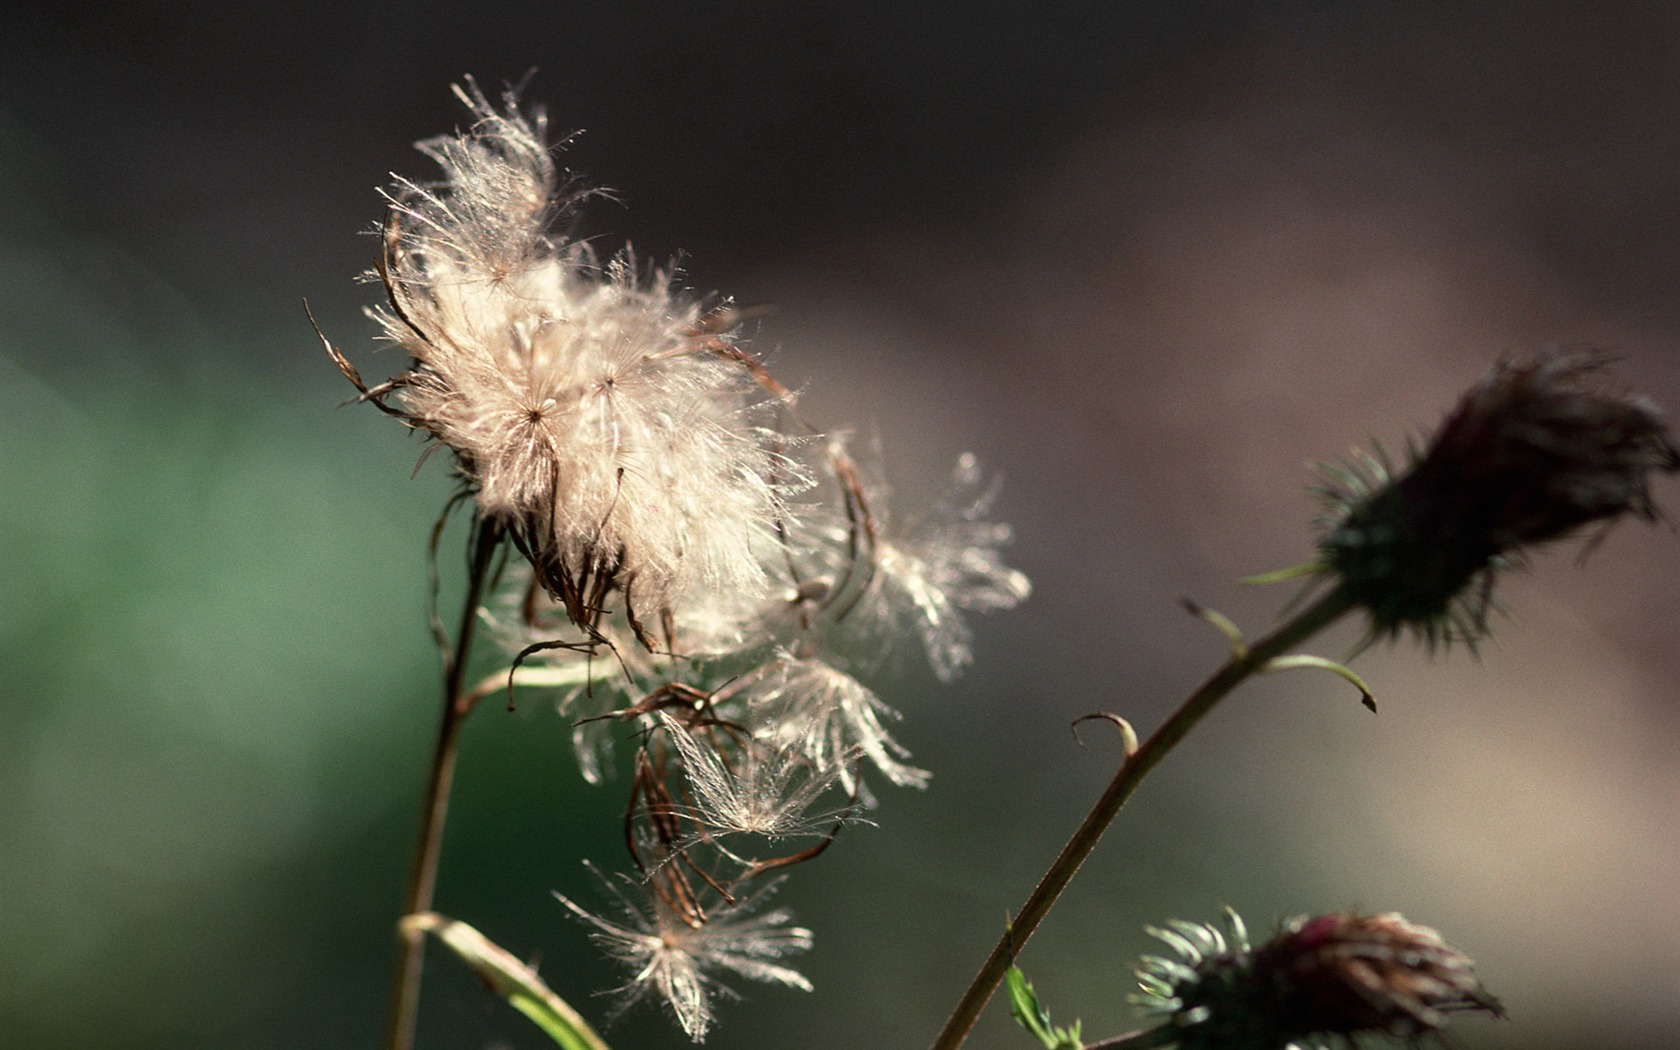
(1532, 453)
(1337, 976)
(598, 418)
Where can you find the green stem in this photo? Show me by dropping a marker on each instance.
(1237, 669)
(422, 876)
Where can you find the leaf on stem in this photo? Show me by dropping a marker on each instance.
(512, 980)
(1030, 1014)
(1287, 663)
(1219, 622)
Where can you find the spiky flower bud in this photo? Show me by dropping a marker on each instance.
(1532, 453)
(1333, 976)
(1346, 974)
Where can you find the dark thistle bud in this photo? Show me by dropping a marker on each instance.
(1347, 974)
(1532, 453)
(1331, 977)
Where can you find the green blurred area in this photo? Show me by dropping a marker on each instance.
(204, 718)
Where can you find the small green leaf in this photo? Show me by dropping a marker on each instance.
(511, 979)
(1221, 623)
(1286, 663)
(1031, 1015)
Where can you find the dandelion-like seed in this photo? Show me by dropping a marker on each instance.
(1531, 454)
(767, 791)
(820, 711)
(945, 561)
(1336, 976)
(674, 955)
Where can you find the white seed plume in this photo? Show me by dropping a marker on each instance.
(946, 560)
(675, 959)
(812, 707)
(769, 791)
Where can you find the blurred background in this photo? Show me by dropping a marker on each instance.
(1147, 260)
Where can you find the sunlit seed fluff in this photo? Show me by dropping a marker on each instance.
(816, 709)
(766, 790)
(581, 402)
(946, 560)
(676, 961)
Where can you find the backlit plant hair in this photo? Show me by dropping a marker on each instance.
(664, 548)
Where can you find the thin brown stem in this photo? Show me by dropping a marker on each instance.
(1142, 1039)
(1242, 664)
(422, 877)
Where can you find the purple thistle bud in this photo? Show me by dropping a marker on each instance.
(1347, 974)
(1337, 976)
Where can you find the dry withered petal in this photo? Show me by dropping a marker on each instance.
(1532, 453)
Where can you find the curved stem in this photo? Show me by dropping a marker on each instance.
(1144, 1038)
(1239, 667)
(422, 876)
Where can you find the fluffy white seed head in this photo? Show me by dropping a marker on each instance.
(609, 429)
(589, 408)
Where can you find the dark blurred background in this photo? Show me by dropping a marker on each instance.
(1147, 260)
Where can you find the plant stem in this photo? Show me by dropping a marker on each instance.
(422, 876)
(1143, 1039)
(1243, 663)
